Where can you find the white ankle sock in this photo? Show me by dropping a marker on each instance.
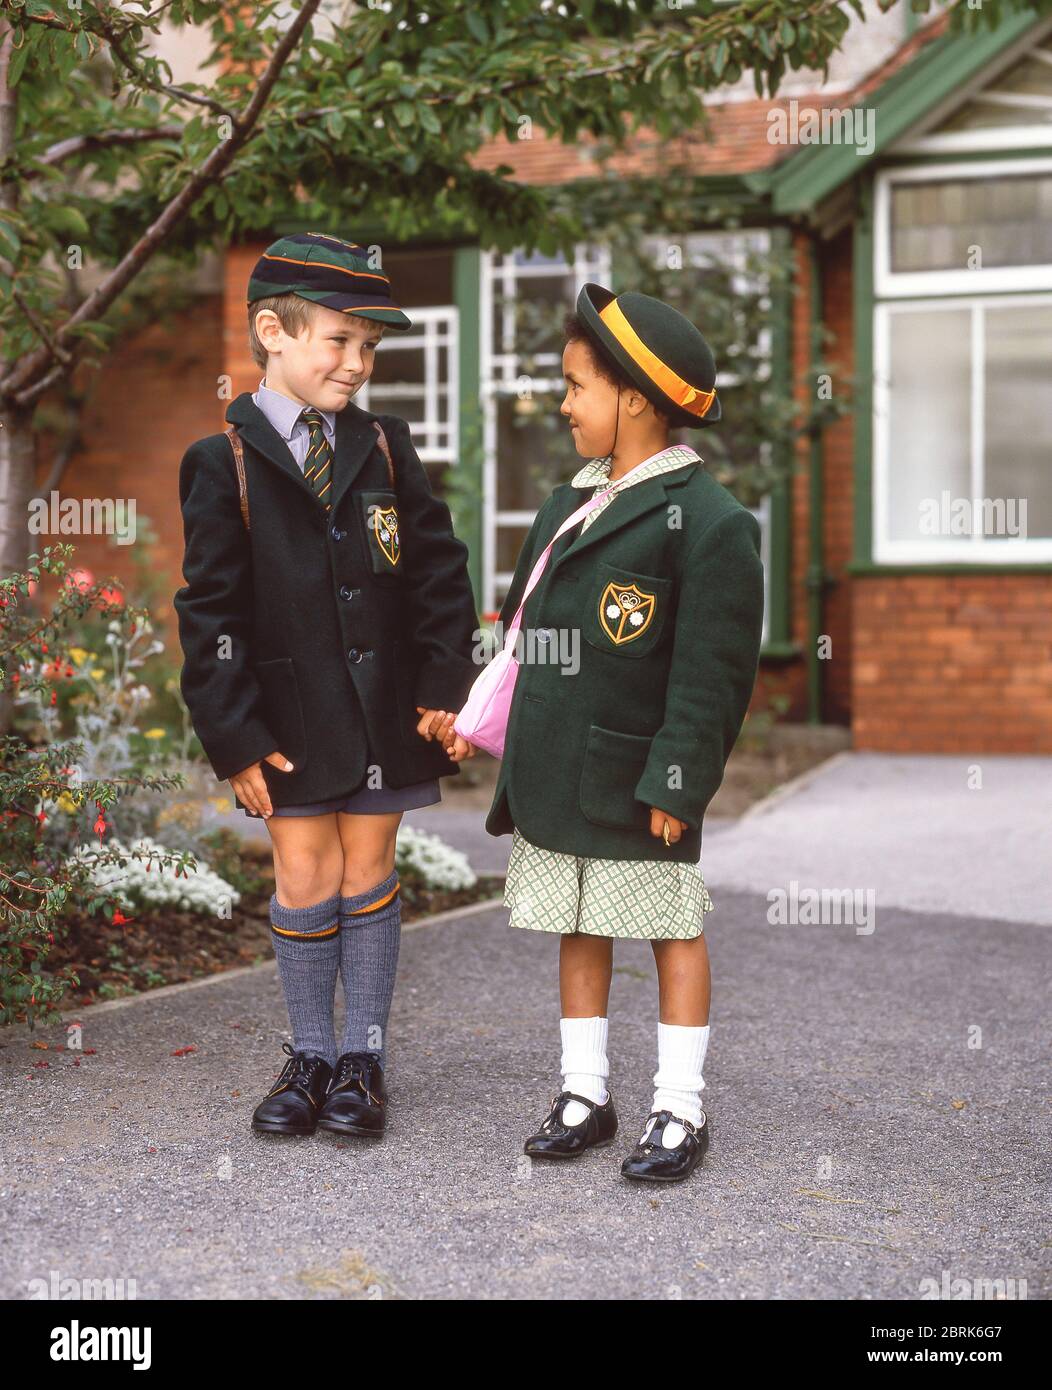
(584, 1064)
(678, 1079)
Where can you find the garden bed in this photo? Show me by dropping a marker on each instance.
(166, 947)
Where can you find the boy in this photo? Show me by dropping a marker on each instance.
(327, 625)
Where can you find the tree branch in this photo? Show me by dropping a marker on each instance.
(104, 294)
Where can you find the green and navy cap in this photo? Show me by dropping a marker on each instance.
(328, 271)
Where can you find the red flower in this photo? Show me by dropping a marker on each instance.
(100, 825)
(119, 918)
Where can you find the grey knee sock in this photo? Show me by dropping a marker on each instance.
(370, 935)
(307, 946)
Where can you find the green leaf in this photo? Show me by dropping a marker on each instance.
(9, 241)
(719, 62)
(18, 62)
(477, 25)
(404, 113)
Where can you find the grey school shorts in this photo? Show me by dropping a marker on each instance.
(367, 801)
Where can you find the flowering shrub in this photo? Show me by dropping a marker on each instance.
(56, 792)
(431, 861)
(143, 878)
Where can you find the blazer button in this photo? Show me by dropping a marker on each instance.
(337, 534)
(354, 655)
(346, 592)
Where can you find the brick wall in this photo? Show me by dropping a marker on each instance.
(155, 394)
(954, 663)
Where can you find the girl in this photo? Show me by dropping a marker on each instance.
(665, 585)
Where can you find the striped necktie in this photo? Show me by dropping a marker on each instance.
(317, 466)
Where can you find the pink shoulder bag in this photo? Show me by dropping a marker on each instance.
(484, 719)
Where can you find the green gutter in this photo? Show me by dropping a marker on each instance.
(467, 273)
(778, 630)
(815, 579)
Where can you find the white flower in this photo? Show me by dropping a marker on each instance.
(635, 619)
(200, 890)
(438, 864)
(612, 610)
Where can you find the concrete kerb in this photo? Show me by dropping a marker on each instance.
(18, 1032)
(794, 785)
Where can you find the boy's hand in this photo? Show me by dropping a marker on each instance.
(657, 825)
(251, 788)
(460, 749)
(438, 723)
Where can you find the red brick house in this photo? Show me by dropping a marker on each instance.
(909, 559)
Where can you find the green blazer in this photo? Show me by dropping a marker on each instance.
(639, 655)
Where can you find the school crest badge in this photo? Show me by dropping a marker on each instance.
(625, 612)
(385, 529)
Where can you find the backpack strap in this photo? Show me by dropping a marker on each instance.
(239, 464)
(386, 450)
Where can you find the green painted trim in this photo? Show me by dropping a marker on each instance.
(467, 288)
(945, 65)
(871, 570)
(862, 327)
(815, 574)
(778, 628)
(781, 651)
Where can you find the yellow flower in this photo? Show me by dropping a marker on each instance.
(223, 804)
(155, 733)
(98, 672)
(79, 655)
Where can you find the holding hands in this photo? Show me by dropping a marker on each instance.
(438, 723)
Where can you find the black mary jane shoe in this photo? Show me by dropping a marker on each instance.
(357, 1099)
(650, 1161)
(291, 1105)
(555, 1139)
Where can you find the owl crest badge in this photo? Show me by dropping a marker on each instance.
(625, 612)
(385, 528)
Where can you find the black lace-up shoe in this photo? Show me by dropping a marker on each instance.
(555, 1139)
(357, 1099)
(650, 1161)
(291, 1105)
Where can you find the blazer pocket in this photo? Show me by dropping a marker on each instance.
(613, 765)
(282, 708)
(383, 543)
(626, 610)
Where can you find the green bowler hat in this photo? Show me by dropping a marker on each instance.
(658, 349)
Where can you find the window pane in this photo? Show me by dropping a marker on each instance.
(929, 416)
(933, 225)
(531, 458)
(510, 540)
(1019, 411)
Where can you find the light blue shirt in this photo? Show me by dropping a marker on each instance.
(286, 417)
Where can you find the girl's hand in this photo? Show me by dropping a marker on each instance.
(658, 820)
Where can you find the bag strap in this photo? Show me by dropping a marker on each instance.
(239, 464)
(539, 567)
(386, 450)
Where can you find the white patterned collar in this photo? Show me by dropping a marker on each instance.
(597, 471)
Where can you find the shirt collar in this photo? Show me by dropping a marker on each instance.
(597, 471)
(283, 413)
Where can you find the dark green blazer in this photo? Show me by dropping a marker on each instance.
(663, 597)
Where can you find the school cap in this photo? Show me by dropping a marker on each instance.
(331, 272)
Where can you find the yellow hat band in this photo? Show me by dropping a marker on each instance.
(688, 397)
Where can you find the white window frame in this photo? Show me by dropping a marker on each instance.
(965, 282)
(976, 549)
(500, 375)
(434, 328)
